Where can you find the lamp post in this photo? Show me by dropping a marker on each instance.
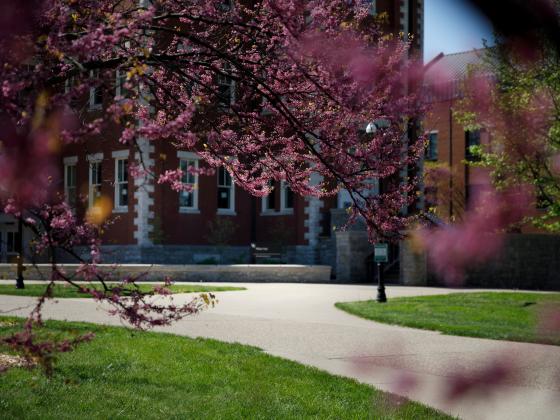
(381, 251)
(19, 258)
(381, 255)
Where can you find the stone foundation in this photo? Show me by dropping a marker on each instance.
(168, 254)
(413, 265)
(242, 273)
(352, 251)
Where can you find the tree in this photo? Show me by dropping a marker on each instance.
(248, 85)
(521, 112)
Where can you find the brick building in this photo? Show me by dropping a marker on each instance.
(529, 258)
(153, 224)
(448, 141)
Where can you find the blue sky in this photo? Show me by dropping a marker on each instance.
(452, 26)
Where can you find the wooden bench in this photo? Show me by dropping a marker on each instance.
(267, 254)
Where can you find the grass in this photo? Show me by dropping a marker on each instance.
(68, 291)
(495, 315)
(126, 374)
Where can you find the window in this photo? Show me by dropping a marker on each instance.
(372, 6)
(121, 90)
(12, 241)
(96, 92)
(344, 199)
(121, 184)
(269, 202)
(95, 179)
(432, 146)
(472, 138)
(70, 183)
(69, 84)
(287, 198)
(226, 5)
(226, 192)
(226, 89)
(188, 200)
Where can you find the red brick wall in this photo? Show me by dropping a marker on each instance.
(463, 176)
(193, 229)
(121, 231)
(451, 152)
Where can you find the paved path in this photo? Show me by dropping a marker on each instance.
(299, 322)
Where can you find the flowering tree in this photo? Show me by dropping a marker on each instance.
(521, 112)
(249, 85)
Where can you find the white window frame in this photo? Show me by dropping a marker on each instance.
(230, 82)
(190, 157)
(284, 211)
(231, 209)
(92, 90)
(265, 211)
(118, 84)
(94, 159)
(284, 199)
(120, 90)
(119, 156)
(70, 161)
(429, 158)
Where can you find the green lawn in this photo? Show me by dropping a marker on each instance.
(68, 291)
(496, 315)
(145, 375)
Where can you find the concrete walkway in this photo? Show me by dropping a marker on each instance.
(299, 322)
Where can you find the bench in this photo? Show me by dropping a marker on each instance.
(267, 254)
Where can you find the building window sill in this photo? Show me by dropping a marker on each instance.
(120, 210)
(226, 212)
(286, 212)
(185, 210)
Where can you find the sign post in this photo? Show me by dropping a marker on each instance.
(381, 255)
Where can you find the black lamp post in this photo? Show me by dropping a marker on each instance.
(371, 128)
(381, 296)
(20, 268)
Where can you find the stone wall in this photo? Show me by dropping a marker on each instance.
(323, 253)
(301, 254)
(169, 254)
(327, 251)
(196, 273)
(352, 251)
(351, 248)
(527, 261)
(413, 265)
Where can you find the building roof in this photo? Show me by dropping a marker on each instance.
(445, 74)
(453, 67)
